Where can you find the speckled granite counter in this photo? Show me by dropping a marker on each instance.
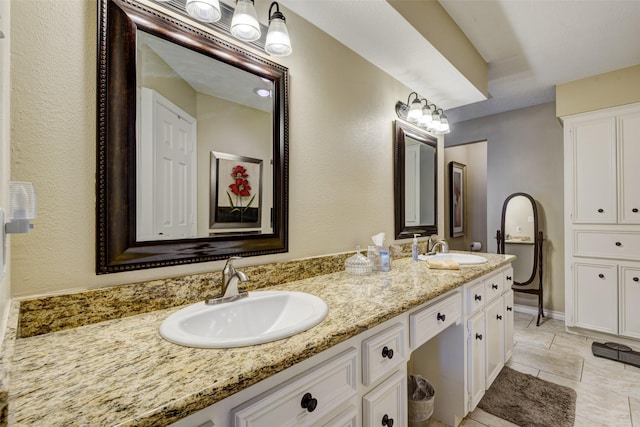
(121, 372)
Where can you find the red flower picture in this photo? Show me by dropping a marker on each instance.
(240, 188)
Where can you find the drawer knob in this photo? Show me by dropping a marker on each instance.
(509, 278)
(494, 286)
(479, 337)
(386, 421)
(600, 210)
(309, 402)
(441, 317)
(634, 210)
(618, 244)
(387, 352)
(509, 308)
(477, 297)
(635, 279)
(601, 276)
(498, 316)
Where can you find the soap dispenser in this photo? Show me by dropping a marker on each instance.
(414, 247)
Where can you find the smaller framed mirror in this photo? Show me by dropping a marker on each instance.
(519, 229)
(415, 182)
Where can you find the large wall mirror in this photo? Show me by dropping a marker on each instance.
(415, 182)
(192, 144)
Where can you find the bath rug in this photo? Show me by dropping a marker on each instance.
(528, 401)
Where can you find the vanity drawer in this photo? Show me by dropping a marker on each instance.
(475, 296)
(606, 244)
(430, 321)
(494, 286)
(305, 399)
(382, 353)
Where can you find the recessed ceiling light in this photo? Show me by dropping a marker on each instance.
(262, 92)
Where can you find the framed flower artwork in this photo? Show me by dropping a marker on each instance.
(236, 191)
(457, 199)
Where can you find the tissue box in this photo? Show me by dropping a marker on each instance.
(379, 255)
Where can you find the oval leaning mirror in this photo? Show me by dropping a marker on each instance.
(192, 144)
(415, 182)
(519, 235)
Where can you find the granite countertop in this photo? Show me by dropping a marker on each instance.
(122, 372)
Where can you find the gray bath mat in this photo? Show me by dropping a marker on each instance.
(529, 401)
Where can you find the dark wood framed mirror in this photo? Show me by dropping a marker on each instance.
(519, 232)
(129, 229)
(415, 182)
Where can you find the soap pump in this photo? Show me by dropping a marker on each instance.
(414, 247)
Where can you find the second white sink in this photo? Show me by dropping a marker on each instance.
(259, 318)
(462, 259)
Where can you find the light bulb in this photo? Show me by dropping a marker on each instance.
(278, 42)
(415, 112)
(204, 10)
(244, 24)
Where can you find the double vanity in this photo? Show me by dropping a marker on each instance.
(454, 327)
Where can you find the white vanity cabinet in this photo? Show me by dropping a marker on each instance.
(602, 219)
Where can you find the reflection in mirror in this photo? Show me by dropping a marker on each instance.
(519, 235)
(415, 182)
(170, 95)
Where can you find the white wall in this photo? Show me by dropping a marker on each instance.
(341, 147)
(524, 152)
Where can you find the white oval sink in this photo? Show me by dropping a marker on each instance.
(462, 259)
(259, 318)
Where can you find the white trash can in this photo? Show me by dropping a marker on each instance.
(421, 400)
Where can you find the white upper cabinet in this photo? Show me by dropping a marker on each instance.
(629, 161)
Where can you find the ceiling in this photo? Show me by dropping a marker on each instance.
(530, 46)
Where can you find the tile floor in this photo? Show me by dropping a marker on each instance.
(608, 392)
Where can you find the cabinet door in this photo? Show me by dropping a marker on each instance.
(477, 364)
(494, 350)
(387, 402)
(629, 168)
(508, 325)
(629, 298)
(596, 296)
(594, 169)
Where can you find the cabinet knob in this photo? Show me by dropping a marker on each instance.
(479, 337)
(387, 352)
(509, 308)
(634, 210)
(635, 279)
(498, 316)
(494, 286)
(386, 421)
(309, 402)
(477, 297)
(600, 210)
(601, 276)
(618, 244)
(441, 317)
(509, 278)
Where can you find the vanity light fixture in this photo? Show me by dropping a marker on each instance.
(244, 24)
(278, 42)
(427, 116)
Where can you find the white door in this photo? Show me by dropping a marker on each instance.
(629, 155)
(594, 152)
(477, 365)
(167, 177)
(508, 325)
(629, 297)
(494, 350)
(596, 296)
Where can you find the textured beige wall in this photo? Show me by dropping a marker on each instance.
(5, 156)
(606, 90)
(341, 147)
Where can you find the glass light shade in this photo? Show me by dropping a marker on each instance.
(435, 123)
(426, 119)
(415, 112)
(204, 10)
(244, 24)
(444, 124)
(278, 42)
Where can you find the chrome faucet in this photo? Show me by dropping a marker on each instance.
(230, 279)
(442, 244)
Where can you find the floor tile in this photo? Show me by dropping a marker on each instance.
(468, 422)
(533, 337)
(523, 368)
(549, 325)
(488, 419)
(546, 360)
(613, 378)
(635, 411)
(522, 320)
(598, 405)
(582, 348)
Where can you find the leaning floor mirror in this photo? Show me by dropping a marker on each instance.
(520, 235)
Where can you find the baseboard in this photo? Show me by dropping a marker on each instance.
(556, 315)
